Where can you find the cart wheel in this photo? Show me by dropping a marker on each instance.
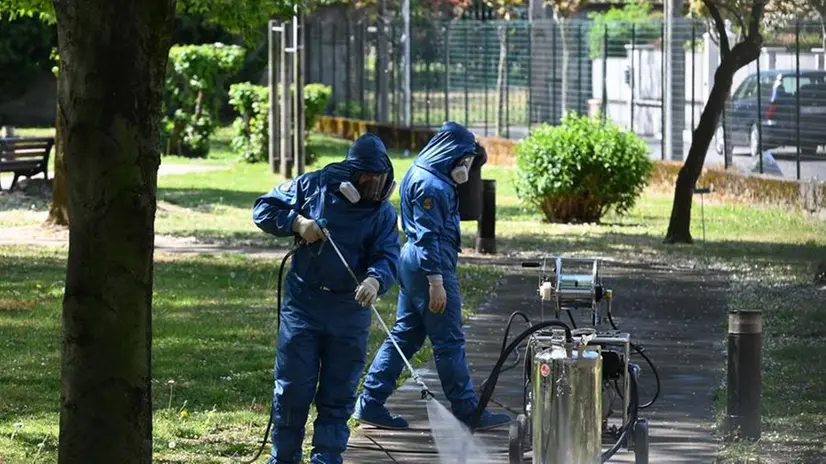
(516, 440)
(641, 441)
(525, 426)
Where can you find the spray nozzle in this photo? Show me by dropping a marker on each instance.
(426, 393)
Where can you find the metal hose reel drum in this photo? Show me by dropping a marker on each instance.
(573, 284)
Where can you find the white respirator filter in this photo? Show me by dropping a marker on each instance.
(350, 192)
(459, 174)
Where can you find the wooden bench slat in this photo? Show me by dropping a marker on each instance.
(25, 156)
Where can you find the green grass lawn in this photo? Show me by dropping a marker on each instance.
(214, 338)
(769, 251)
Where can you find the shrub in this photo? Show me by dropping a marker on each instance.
(195, 87)
(579, 170)
(251, 127)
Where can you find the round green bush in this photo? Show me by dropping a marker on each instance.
(581, 169)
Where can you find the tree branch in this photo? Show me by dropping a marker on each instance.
(720, 25)
(737, 16)
(758, 7)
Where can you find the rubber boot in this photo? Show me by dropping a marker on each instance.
(375, 414)
(489, 420)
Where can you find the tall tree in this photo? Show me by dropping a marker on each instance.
(748, 14)
(113, 58)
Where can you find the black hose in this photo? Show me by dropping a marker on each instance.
(505, 341)
(490, 385)
(639, 351)
(633, 414)
(278, 327)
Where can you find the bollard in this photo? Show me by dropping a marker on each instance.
(744, 356)
(486, 230)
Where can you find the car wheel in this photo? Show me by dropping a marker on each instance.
(754, 140)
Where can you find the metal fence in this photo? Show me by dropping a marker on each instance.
(501, 78)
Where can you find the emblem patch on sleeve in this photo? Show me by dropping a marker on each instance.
(427, 203)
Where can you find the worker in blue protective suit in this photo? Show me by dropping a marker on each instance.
(429, 299)
(325, 318)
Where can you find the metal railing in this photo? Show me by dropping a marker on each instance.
(501, 78)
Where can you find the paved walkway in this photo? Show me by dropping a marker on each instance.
(676, 314)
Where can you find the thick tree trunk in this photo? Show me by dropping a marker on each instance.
(112, 61)
(680, 223)
(501, 81)
(59, 208)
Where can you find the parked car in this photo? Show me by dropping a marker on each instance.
(778, 111)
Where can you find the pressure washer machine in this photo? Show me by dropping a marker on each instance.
(573, 378)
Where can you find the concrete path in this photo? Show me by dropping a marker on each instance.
(40, 235)
(676, 314)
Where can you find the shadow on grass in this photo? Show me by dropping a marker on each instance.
(622, 243)
(205, 199)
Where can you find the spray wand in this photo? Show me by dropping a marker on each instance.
(425, 390)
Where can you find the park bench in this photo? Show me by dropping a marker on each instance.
(25, 156)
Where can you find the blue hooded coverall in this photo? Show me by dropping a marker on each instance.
(430, 219)
(323, 333)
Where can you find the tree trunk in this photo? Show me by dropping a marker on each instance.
(113, 57)
(541, 63)
(680, 223)
(501, 81)
(570, 99)
(59, 208)
(822, 14)
(382, 64)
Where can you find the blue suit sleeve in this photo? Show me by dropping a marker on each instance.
(384, 250)
(276, 211)
(430, 212)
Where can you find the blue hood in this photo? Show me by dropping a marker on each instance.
(451, 143)
(367, 154)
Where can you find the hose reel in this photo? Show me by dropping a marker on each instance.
(572, 284)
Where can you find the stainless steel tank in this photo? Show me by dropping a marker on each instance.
(566, 404)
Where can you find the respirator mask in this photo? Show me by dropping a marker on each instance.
(368, 188)
(461, 169)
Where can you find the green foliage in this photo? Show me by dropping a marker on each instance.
(195, 83)
(633, 19)
(251, 127)
(247, 18)
(579, 170)
(316, 97)
(25, 46)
